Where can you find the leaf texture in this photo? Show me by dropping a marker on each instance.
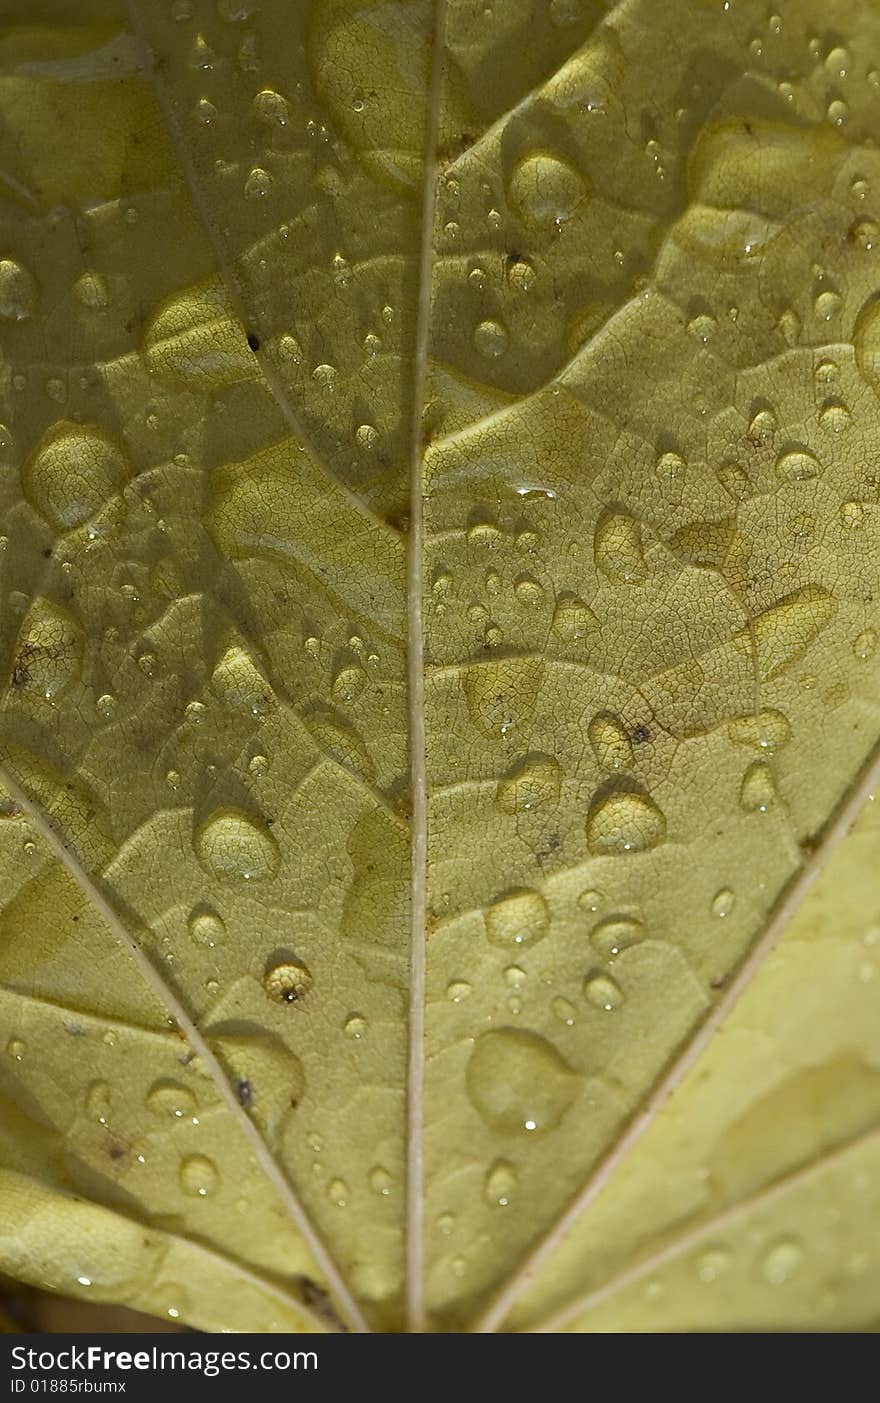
(438, 655)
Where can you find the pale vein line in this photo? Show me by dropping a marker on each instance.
(264, 1156)
(700, 1232)
(415, 1165)
(678, 1068)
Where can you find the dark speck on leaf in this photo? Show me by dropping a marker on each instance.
(253, 341)
(245, 1093)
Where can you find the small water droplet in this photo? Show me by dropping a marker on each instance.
(723, 902)
(781, 1262)
(518, 1082)
(501, 1184)
(232, 844)
(518, 919)
(198, 1176)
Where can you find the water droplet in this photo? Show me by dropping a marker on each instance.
(852, 515)
(18, 291)
(348, 684)
(501, 695)
(784, 632)
(797, 465)
(865, 645)
(287, 982)
(501, 1184)
(518, 1082)
(768, 731)
(198, 1176)
(866, 340)
(711, 1264)
(259, 184)
(521, 275)
(490, 339)
(573, 619)
(380, 1181)
(355, 1026)
(206, 928)
(590, 900)
(168, 1098)
(781, 1262)
(762, 427)
(240, 683)
(16, 1048)
(624, 821)
(337, 1192)
(723, 903)
(603, 992)
(834, 416)
(270, 107)
(232, 844)
(544, 189)
(563, 1009)
(618, 548)
(458, 990)
(528, 591)
(757, 791)
(519, 918)
(614, 935)
(72, 474)
(90, 290)
(49, 650)
(97, 1101)
(610, 741)
(533, 781)
(827, 305)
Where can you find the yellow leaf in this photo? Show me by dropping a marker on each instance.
(439, 652)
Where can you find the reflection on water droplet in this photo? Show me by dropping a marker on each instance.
(519, 918)
(518, 1082)
(206, 928)
(198, 1176)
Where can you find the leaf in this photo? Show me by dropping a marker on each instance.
(438, 656)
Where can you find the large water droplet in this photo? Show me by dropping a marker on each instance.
(534, 781)
(232, 844)
(517, 919)
(624, 821)
(545, 189)
(169, 1098)
(501, 695)
(72, 474)
(618, 549)
(518, 1081)
(48, 655)
(18, 291)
